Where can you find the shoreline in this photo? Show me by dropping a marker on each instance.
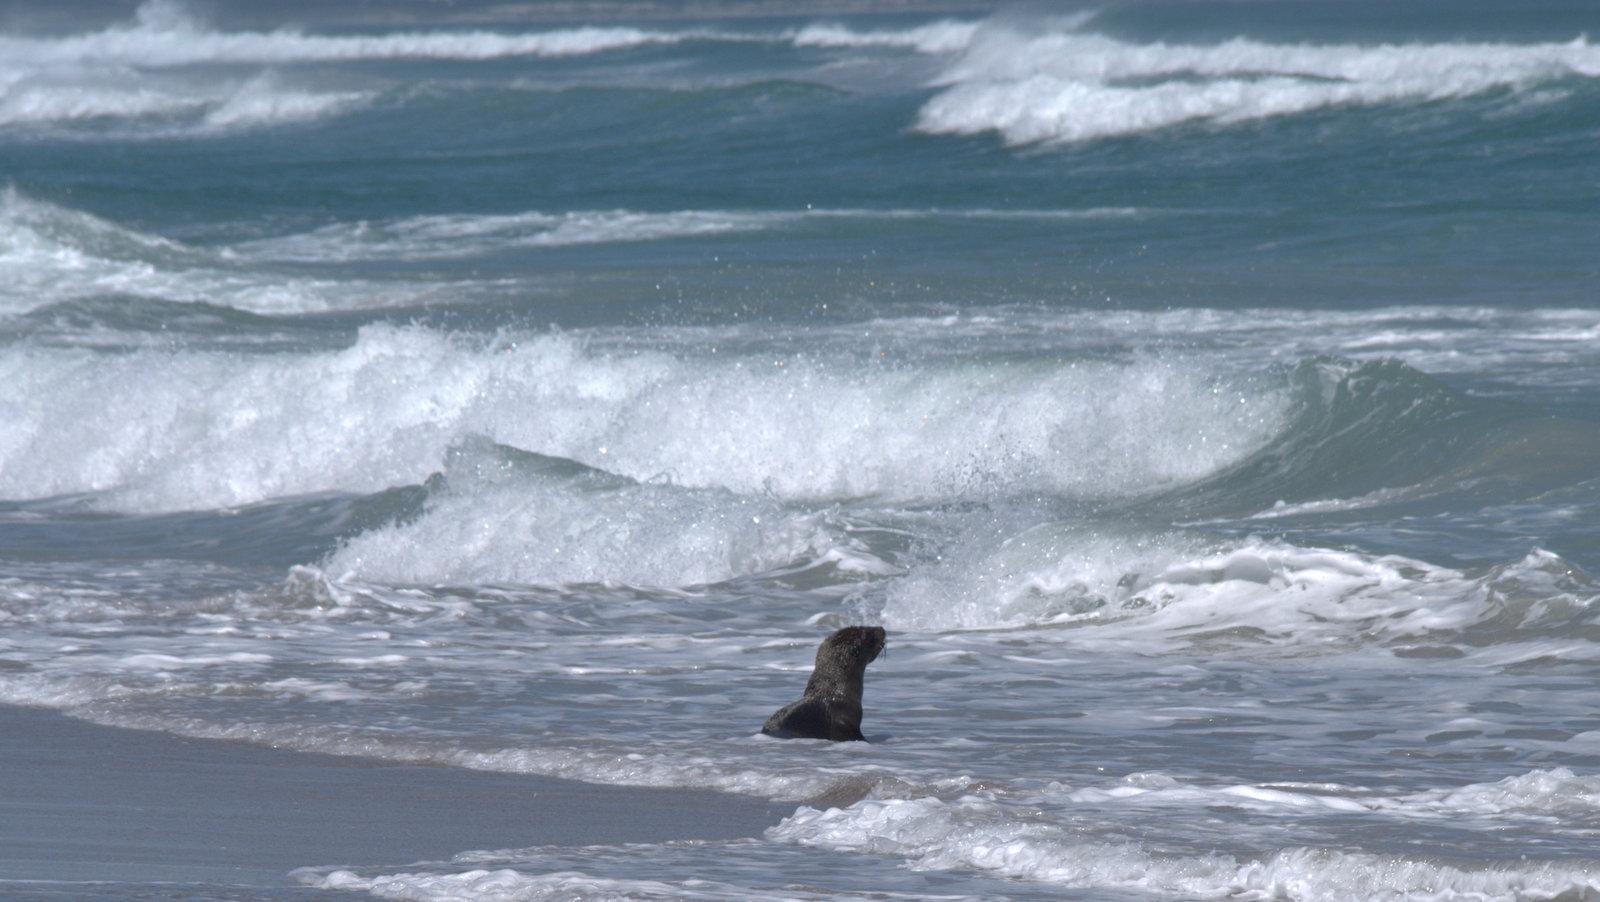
(81, 802)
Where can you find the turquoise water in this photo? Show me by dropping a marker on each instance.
(1204, 397)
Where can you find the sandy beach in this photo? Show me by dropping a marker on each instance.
(81, 803)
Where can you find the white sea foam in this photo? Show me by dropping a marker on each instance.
(1544, 794)
(525, 885)
(1055, 84)
(973, 833)
(1541, 795)
(158, 662)
(507, 883)
(1142, 587)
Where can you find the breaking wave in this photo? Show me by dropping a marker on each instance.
(1054, 84)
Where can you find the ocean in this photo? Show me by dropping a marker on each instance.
(1205, 396)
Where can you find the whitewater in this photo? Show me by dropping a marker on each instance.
(1205, 400)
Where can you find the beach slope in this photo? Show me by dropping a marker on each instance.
(82, 803)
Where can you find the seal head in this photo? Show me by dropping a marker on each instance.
(831, 706)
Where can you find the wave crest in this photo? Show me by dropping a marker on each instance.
(1061, 85)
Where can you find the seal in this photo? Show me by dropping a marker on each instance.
(831, 706)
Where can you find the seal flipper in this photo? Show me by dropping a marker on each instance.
(804, 719)
(815, 718)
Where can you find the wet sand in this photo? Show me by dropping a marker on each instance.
(82, 803)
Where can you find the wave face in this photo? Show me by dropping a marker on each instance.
(810, 425)
(1203, 396)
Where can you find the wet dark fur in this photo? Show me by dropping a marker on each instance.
(831, 707)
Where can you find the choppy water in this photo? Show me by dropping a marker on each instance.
(1205, 398)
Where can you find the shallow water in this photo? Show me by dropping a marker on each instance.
(1204, 398)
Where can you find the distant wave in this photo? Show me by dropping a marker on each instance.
(108, 91)
(454, 236)
(132, 73)
(945, 36)
(163, 34)
(135, 71)
(52, 256)
(1060, 84)
(1038, 80)
(450, 236)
